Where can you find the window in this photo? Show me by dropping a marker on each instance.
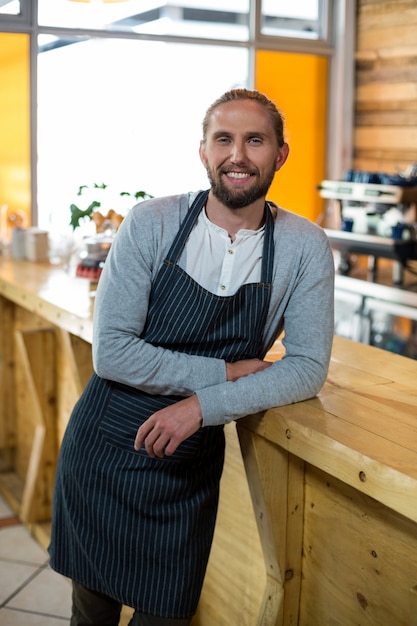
(105, 114)
(14, 11)
(299, 19)
(9, 7)
(105, 69)
(206, 19)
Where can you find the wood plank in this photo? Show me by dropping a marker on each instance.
(386, 37)
(386, 137)
(363, 408)
(236, 577)
(385, 53)
(28, 506)
(385, 105)
(294, 540)
(386, 15)
(37, 448)
(11, 488)
(51, 293)
(399, 51)
(386, 118)
(271, 514)
(7, 424)
(372, 361)
(390, 73)
(359, 559)
(371, 464)
(386, 92)
(331, 422)
(73, 369)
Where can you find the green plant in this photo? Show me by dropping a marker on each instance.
(78, 214)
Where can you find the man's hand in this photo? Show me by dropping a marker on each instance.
(166, 429)
(244, 368)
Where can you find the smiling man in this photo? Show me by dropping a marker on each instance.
(240, 153)
(194, 292)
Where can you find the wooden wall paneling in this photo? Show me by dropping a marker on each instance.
(35, 415)
(353, 546)
(385, 135)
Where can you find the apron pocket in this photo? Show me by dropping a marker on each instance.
(127, 409)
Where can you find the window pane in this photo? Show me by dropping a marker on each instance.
(107, 115)
(216, 19)
(298, 18)
(9, 7)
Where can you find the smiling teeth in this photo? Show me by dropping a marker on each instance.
(237, 174)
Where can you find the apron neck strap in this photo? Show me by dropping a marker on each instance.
(190, 219)
(186, 226)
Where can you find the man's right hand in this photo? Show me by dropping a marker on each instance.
(245, 367)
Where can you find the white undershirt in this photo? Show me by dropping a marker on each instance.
(219, 265)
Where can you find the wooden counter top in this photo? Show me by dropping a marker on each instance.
(50, 291)
(362, 427)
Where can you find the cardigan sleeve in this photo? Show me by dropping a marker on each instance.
(305, 306)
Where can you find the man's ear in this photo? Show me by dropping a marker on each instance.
(282, 157)
(202, 153)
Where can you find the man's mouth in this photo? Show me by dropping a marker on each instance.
(238, 175)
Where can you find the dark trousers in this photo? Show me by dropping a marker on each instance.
(90, 608)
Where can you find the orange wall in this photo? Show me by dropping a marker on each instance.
(297, 83)
(14, 128)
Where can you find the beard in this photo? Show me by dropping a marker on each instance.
(239, 198)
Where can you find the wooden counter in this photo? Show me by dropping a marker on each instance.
(321, 530)
(45, 361)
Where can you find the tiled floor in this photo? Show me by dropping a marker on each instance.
(31, 594)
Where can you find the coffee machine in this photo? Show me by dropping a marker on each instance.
(373, 215)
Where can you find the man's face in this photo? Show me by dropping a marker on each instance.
(241, 153)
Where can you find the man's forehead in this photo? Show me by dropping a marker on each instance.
(240, 112)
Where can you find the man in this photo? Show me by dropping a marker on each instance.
(194, 292)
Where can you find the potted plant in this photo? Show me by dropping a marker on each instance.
(94, 249)
(92, 213)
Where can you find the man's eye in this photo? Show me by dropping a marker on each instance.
(223, 139)
(255, 140)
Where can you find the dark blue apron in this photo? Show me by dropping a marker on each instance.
(139, 529)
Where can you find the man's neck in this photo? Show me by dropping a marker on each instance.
(231, 220)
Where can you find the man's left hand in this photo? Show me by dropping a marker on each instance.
(163, 432)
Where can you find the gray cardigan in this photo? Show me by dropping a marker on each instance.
(301, 303)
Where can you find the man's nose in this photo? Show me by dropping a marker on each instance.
(238, 153)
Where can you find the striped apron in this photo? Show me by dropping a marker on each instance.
(135, 528)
